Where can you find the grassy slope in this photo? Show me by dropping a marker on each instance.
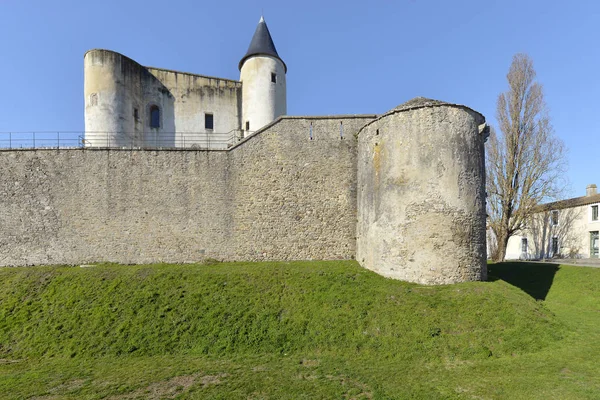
(296, 330)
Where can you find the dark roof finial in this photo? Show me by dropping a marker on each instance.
(261, 44)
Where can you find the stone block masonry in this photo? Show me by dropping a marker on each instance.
(278, 195)
(403, 193)
(421, 193)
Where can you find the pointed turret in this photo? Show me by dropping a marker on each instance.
(261, 44)
(262, 73)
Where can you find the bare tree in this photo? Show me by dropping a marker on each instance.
(525, 162)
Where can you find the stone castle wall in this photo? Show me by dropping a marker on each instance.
(421, 194)
(402, 193)
(296, 197)
(278, 195)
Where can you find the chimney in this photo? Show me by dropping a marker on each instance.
(591, 190)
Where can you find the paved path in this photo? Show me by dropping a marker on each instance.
(580, 262)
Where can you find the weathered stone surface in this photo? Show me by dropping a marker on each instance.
(276, 196)
(119, 94)
(418, 102)
(413, 178)
(421, 196)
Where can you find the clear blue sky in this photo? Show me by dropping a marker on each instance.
(343, 57)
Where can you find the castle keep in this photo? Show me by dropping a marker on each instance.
(402, 192)
(128, 105)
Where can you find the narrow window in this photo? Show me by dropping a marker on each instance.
(555, 217)
(554, 246)
(247, 125)
(594, 213)
(273, 77)
(209, 121)
(523, 245)
(594, 244)
(136, 114)
(154, 117)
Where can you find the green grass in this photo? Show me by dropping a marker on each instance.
(296, 330)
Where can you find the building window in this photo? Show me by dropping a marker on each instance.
(554, 218)
(209, 121)
(594, 213)
(136, 114)
(555, 249)
(523, 245)
(247, 125)
(154, 117)
(273, 77)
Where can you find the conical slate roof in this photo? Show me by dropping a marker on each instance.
(261, 44)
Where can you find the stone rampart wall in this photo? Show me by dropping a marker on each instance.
(421, 196)
(296, 197)
(277, 195)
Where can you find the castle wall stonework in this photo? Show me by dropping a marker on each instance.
(80, 206)
(421, 194)
(296, 197)
(403, 193)
(278, 195)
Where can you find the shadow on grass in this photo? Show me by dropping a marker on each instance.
(533, 278)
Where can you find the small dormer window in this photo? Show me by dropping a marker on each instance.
(154, 117)
(273, 77)
(209, 121)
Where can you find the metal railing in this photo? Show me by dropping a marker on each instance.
(40, 140)
(121, 140)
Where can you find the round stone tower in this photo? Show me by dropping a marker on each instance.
(262, 73)
(421, 193)
(112, 91)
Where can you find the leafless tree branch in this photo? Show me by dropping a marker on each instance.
(525, 162)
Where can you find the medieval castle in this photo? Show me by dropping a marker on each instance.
(179, 167)
(128, 105)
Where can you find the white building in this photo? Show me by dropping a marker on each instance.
(562, 229)
(129, 105)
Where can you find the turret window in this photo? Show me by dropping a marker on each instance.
(154, 117)
(209, 121)
(273, 77)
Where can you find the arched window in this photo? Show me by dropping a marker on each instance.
(154, 117)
